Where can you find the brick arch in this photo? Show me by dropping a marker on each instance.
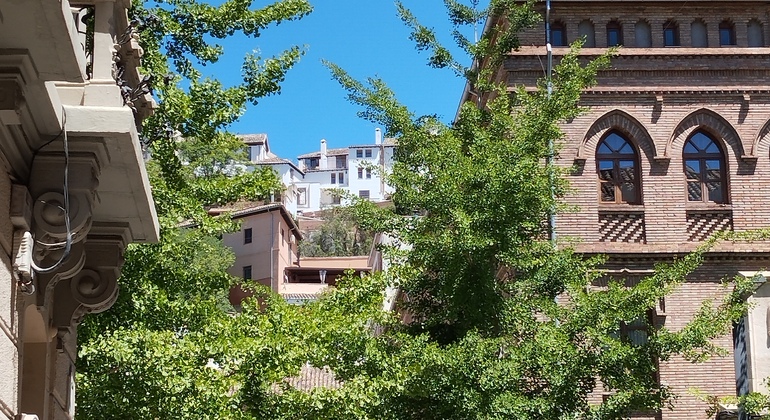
(761, 142)
(710, 122)
(623, 122)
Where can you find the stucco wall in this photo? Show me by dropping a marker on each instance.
(9, 354)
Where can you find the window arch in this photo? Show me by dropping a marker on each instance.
(699, 34)
(671, 34)
(704, 168)
(614, 34)
(558, 34)
(617, 164)
(726, 33)
(756, 34)
(643, 34)
(586, 29)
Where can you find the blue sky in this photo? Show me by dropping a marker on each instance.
(367, 39)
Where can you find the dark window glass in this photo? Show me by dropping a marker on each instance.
(558, 35)
(671, 34)
(360, 173)
(704, 169)
(368, 153)
(368, 173)
(726, 33)
(334, 178)
(359, 153)
(617, 167)
(247, 236)
(247, 272)
(341, 177)
(342, 162)
(614, 34)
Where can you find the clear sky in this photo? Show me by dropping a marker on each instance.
(367, 39)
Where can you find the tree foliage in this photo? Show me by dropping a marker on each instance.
(503, 325)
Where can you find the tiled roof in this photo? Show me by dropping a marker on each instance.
(311, 377)
(329, 152)
(259, 138)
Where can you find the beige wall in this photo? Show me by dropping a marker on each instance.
(273, 248)
(9, 354)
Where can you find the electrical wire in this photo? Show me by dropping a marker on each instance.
(66, 209)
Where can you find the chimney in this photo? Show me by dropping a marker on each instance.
(377, 136)
(322, 163)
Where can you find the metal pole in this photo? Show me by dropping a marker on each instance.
(549, 87)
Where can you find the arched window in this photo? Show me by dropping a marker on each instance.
(671, 34)
(617, 165)
(586, 29)
(756, 34)
(699, 34)
(726, 33)
(643, 34)
(704, 168)
(614, 34)
(558, 34)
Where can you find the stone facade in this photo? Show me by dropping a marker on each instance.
(686, 70)
(69, 149)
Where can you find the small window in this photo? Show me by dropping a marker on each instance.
(704, 168)
(617, 167)
(342, 162)
(637, 332)
(341, 177)
(699, 34)
(614, 34)
(247, 236)
(586, 31)
(558, 34)
(368, 153)
(671, 34)
(336, 199)
(247, 272)
(360, 173)
(314, 162)
(363, 194)
(334, 178)
(756, 34)
(643, 34)
(726, 33)
(368, 173)
(359, 153)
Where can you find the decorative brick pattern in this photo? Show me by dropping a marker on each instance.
(700, 225)
(622, 227)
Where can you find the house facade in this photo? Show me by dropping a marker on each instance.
(674, 146)
(73, 187)
(322, 179)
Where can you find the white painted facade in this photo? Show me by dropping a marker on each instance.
(322, 179)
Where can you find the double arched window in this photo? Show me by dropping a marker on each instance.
(617, 164)
(704, 168)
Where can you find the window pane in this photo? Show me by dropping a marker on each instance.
(715, 191)
(692, 169)
(669, 37)
(637, 337)
(689, 147)
(606, 170)
(628, 192)
(627, 171)
(712, 170)
(694, 192)
(613, 37)
(608, 192)
(557, 36)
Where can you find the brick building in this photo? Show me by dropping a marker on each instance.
(674, 146)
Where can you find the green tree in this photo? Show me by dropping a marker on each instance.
(503, 324)
(147, 356)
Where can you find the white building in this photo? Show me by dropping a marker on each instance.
(323, 178)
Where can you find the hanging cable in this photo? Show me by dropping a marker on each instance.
(65, 209)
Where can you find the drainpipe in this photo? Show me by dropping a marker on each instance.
(273, 285)
(549, 84)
